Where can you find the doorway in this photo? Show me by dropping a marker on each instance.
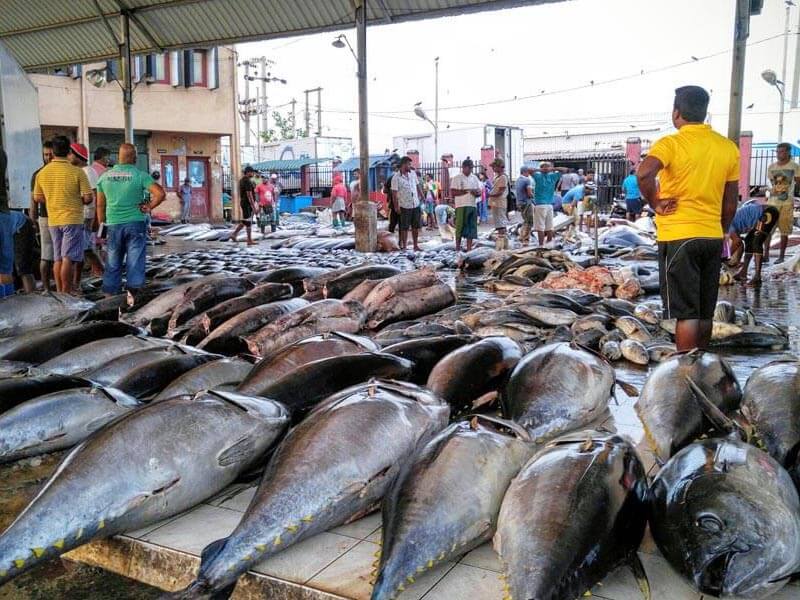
(197, 170)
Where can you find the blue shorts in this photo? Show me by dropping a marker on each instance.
(68, 242)
(633, 206)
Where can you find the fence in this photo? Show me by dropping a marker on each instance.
(760, 160)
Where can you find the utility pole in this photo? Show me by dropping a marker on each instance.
(741, 32)
(436, 118)
(319, 111)
(796, 77)
(126, 62)
(294, 121)
(262, 113)
(365, 215)
(247, 103)
(308, 116)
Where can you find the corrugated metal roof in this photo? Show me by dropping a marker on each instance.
(287, 165)
(353, 163)
(53, 32)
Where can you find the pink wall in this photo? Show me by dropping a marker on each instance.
(745, 159)
(414, 156)
(633, 151)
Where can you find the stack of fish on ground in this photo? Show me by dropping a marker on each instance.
(367, 419)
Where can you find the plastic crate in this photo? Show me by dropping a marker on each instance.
(294, 204)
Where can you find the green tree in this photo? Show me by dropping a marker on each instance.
(285, 128)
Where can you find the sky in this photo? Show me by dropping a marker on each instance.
(534, 66)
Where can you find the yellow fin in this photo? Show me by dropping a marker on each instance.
(59, 544)
(37, 552)
(101, 524)
(292, 528)
(277, 541)
(410, 579)
(308, 519)
(79, 534)
(19, 563)
(430, 564)
(261, 547)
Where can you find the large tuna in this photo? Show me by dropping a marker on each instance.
(771, 403)
(339, 286)
(574, 513)
(206, 295)
(23, 313)
(282, 362)
(150, 379)
(261, 294)
(473, 370)
(727, 517)
(89, 356)
(227, 338)
(208, 376)
(446, 499)
(670, 411)
(59, 420)
(332, 467)
(557, 388)
(318, 317)
(145, 466)
(426, 352)
(16, 390)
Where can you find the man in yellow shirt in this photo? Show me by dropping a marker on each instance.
(695, 201)
(64, 188)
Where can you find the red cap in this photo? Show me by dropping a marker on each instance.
(79, 150)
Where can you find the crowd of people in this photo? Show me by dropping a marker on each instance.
(75, 206)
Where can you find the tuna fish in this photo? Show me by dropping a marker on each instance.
(24, 313)
(470, 372)
(150, 379)
(304, 387)
(426, 352)
(331, 468)
(575, 512)
(40, 346)
(430, 516)
(344, 283)
(16, 390)
(557, 388)
(89, 356)
(634, 351)
(727, 517)
(670, 412)
(208, 376)
(227, 338)
(112, 482)
(771, 403)
(59, 420)
(204, 296)
(318, 317)
(285, 360)
(261, 294)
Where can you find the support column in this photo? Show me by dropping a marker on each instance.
(236, 149)
(633, 151)
(365, 214)
(741, 31)
(126, 62)
(745, 160)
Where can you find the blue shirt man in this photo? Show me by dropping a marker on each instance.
(545, 185)
(630, 185)
(575, 194)
(746, 218)
(523, 187)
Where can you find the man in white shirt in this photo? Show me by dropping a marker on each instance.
(466, 189)
(407, 191)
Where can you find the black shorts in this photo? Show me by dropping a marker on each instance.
(758, 236)
(688, 271)
(247, 213)
(410, 218)
(24, 241)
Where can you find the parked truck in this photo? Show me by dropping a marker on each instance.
(20, 134)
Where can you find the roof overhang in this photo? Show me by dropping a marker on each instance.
(52, 32)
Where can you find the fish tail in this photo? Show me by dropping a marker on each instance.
(200, 590)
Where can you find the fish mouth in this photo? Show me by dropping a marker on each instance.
(712, 578)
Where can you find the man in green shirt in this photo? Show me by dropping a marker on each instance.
(121, 206)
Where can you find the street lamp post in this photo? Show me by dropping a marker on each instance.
(421, 114)
(772, 79)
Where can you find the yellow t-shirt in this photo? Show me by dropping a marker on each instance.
(62, 186)
(698, 162)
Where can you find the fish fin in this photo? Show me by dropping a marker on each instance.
(98, 422)
(628, 388)
(210, 552)
(500, 424)
(237, 452)
(719, 420)
(486, 400)
(641, 575)
(53, 437)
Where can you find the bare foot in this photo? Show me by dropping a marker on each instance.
(740, 276)
(417, 249)
(252, 243)
(754, 282)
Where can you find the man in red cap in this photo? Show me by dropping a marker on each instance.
(79, 156)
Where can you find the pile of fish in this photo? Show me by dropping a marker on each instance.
(354, 384)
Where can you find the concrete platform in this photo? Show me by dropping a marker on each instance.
(338, 564)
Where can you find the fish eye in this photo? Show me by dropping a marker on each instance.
(710, 523)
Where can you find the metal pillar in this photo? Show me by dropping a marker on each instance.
(247, 103)
(236, 150)
(796, 76)
(741, 31)
(319, 111)
(262, 113)
(365, 212)
(126, 62)
(436, 117)
(308, 115)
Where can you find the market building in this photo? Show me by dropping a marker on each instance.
(184, 107)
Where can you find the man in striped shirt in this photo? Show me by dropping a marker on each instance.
(64, 188)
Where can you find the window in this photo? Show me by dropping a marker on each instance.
(161, 70)
(199, 68)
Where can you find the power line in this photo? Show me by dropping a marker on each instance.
(591, 84)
